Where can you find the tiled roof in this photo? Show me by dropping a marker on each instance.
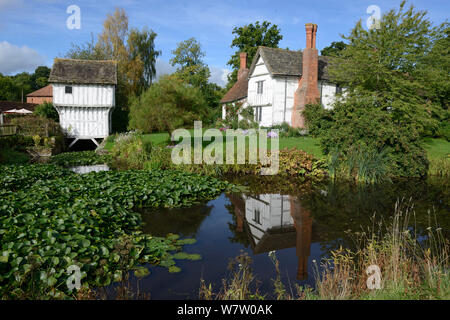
(239, 90)
(83, 71)
(43, 92)
(284, 62)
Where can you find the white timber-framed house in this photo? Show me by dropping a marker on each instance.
(84, 96)
(281, 82)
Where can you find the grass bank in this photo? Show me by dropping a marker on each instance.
(438, 150)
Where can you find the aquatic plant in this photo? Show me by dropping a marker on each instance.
(81, 158)
(51, 218)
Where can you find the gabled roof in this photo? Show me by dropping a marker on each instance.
(46, 91)
(282, 62)
(73, 71)
(239, 90)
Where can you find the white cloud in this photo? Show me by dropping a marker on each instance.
(9, 4)
(162, 68)
(15, 59)
(219, 76)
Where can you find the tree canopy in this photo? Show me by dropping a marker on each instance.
(393, 63)
(247, 39)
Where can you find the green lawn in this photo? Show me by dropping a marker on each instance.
(436, 148)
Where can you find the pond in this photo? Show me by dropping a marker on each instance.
(301, 222)
(90, 168)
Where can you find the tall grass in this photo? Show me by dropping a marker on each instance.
(411, 267)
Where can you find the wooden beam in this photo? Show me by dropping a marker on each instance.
(73, 142)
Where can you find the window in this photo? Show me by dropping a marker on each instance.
(257, 216)
(68, 89)
(260, 87)
(258, 113)
(338, 89)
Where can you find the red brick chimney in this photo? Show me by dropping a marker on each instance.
(307, 91)
(243, 68)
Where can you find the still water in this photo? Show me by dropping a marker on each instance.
(302, 223)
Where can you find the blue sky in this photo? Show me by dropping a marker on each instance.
(33, 32)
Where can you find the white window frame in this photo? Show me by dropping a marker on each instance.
(260, 87)
(258, 114)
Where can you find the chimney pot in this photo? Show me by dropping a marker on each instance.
(311, 31)
(243, 58)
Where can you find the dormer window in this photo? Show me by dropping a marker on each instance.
(260, 88)
(68, 89)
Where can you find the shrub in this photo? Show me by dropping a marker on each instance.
(361, 123)
(47, 110)
(166, 105)
(15, 142)
(317, 118)
(130, 151)
(32, 125)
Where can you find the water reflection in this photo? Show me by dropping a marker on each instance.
(91, 168)
(302, 222)
(275, 222)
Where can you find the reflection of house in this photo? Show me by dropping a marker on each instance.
(276, 222)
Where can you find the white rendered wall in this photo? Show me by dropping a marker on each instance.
(85, 122)
(84, 95)
(260, 73)
(328, 94)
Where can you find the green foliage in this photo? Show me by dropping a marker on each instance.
(389, 63)
(80, 158)
(56, 218)
(47, 110)
(360, 123)
(234, 111)
(247, 39)
(12, 156)
(168, 104)
(130, 151)
(142, 44)
(318, 119)
(334, 49)
(14, 88)
(31, 125)
(16, 141)
(287, 131)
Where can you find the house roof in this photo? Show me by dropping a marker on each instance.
(279, 62)
(10, 105)
(73, 71)
(239, 90)
(46, 91)
(282, 62)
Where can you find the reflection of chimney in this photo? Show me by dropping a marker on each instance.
(243, 68)
(239, 207)
(303, 227)
(307, 91)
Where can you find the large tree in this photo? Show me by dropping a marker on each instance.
(188, 59)
(142, 45)
(333, 49)
(384, 63)
(247, 39)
